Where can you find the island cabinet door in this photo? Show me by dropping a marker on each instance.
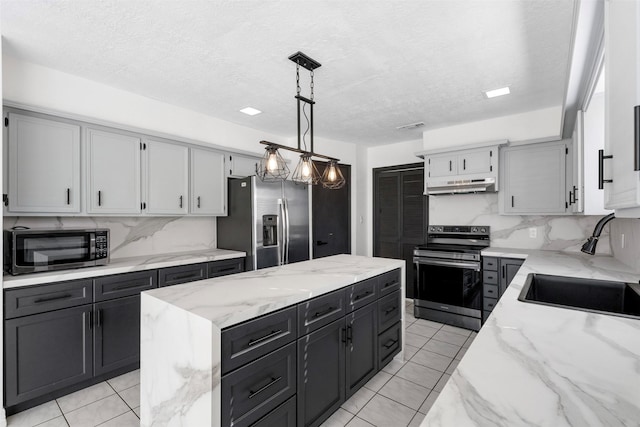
(47, 352)
(117, 334)
(362, 346)
(321, 373)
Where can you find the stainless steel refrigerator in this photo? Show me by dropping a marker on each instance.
(267, 220)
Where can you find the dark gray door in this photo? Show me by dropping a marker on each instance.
(47, 352)
(400, 212)
(362, 347)
(117, 334)
(321, 374)
(508, 269)
(331, 216)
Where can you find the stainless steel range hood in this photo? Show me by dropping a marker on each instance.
(486, 185)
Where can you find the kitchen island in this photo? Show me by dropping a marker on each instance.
(535, 365)
(182, 329)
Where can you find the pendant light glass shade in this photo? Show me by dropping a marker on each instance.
(306, 172)
(272, 166)
(332, 178)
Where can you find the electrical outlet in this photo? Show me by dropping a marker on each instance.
(622, 241)
(533, 232)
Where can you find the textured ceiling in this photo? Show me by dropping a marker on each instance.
(384, 63)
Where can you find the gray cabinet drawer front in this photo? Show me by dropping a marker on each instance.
(490, 291)
(490, 277)
(283, 416)
(124, 285)
(182, 274)
(53, 296)
(389, 310)
(489, 303)
(389, 344)
(389, 282)
(244, 343)
(225, 267)
(254, 390)
(320, 311)
(361, 294)
(490, 263)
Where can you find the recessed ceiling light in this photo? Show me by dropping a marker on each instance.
(497, 92)
(250, 111)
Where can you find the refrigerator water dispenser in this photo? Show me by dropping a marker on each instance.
(269, 230)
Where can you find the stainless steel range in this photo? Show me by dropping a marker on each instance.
(448, 272)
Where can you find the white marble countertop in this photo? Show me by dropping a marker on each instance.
(121, 265)
(227, 300)
(535, 365)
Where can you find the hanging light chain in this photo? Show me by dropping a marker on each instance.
(298, 77)
(312, 85)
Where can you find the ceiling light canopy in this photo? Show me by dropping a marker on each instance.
(250, 111)
(272, 166)
(497, 92)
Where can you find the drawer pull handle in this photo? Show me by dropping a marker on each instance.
(390, 344)
(257, 341)
(319, 314)
(253, 394)
(220, 270)
(364, 295)
(386, 285)
(390, 310)
(134, 285)
(186, 276)
(55, 298)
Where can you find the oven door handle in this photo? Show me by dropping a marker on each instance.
(444, 263)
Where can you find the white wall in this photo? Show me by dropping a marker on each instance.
(544, 124)
(2, 413)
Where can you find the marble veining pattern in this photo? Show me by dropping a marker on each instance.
(122, 265)
(545, 366)
(181, 329)
(561, 233)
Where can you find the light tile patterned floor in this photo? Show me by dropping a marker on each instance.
(398, 396)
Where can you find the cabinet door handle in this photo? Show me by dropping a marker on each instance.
(390, 344)
(390, 310)
(68, 196)
(99, 198)
(252, 393)
(198, 202)
(513, 201)
(504, 271)
(99, 317)
(464, 164)
(343, 335)
(180, 202)
(636, 138)
(90, 318)
(270, 335)
(349, 334)
(601, 158)
(363, 295)
(54, 298)
(450, 166)
(575, 192)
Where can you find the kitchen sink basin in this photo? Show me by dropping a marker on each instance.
(599, 296)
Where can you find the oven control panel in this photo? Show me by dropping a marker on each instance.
(460, 229)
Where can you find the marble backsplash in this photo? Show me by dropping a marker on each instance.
(630, 253)
(137, 236)
(562, 233)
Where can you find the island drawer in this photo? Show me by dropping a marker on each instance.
(254, 390)
(227, 266)
(489, 303)
(361, 294)
(389, 282)
(490, 277)
(123, 285)
(283, 416)
(181, 274)
(389, 344)
(320, 311)
(248, 341)
(490, 291)
(54, 296)
(389, 310)
(489, 263)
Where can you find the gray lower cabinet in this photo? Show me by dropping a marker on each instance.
(361, 347)
(497, 273)
(47, 352)
(283, 416)
(182, 274)
(321, 373)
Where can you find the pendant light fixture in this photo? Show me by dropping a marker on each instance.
(272, 166)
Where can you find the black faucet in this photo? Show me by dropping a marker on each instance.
(590, 245)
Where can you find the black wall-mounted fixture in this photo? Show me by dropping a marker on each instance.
(272, 167)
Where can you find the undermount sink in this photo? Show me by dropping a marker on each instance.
(599, 296)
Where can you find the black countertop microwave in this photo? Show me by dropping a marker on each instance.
(37, 250)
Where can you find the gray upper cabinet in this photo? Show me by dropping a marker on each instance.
(113, 172)
(475, 162)
(534, 179)
(442, 165)
(167, 178)
(44, 165)
(208, 183)
(242, 166)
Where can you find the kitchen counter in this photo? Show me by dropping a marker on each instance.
(181, 329)
(121, 265)
(534, 365)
